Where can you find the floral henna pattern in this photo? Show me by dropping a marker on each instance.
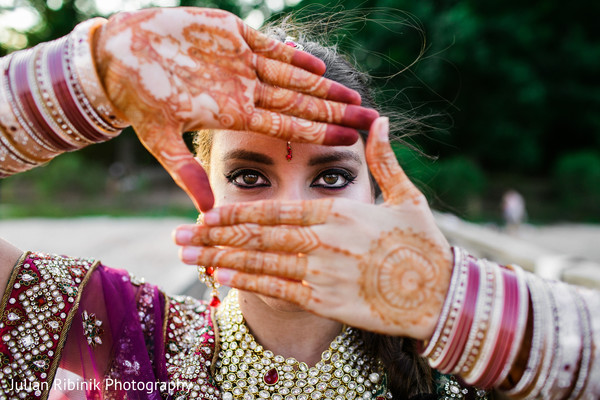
(401, 278)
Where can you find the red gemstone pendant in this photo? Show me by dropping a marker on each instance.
(215, 301)
(271, 377)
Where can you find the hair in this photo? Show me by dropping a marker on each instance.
(408, 374)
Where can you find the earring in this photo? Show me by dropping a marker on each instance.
(289, 151)
(206, 276)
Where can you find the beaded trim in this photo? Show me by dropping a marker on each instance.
(37, 309)
(190, 346)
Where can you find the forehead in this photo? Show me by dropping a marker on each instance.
(225, 142)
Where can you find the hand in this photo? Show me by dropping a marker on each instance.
(384, 268)
(180, 69)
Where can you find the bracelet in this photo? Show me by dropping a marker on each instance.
(522, 315)
(480, 323)
(541, 319)
(586, 353)
(591, 384)
(550, 333)
(459, 335)
(433, 343)
(569, 346)
(52, 101)
(86, 79)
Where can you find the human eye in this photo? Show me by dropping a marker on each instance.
(247, 179)
(334, 178)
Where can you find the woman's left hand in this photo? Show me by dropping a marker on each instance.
(384, 268)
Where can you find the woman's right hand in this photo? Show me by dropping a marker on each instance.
(180, 69)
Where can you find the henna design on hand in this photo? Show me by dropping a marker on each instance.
(256, 237)
(254, 262)
(399, 276)
(302, 213)
(205, 71)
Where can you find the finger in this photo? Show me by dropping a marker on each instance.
(168, 148)
(312, 108)
(254, 262)
(394, 183)
(272, 48)
(287, 76)
(295, 129)
(292, 291)
(284, 239)
(271, 212)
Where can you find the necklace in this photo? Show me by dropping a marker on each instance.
(245, 370)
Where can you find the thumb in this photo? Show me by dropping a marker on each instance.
(171, 151)
(394, 184)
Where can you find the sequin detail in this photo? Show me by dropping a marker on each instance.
(42, 301)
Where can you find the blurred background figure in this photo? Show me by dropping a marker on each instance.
(513, 210)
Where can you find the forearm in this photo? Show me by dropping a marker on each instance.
(52, 101)
(512, 330)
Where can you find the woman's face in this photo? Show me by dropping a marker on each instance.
(247, 166)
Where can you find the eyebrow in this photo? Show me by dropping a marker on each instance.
(335, 156)
(248, 156)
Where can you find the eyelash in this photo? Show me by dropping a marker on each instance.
(234, 175)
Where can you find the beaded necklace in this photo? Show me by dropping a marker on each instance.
(245, 370)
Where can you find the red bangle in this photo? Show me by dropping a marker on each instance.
(66, 99)
(464, 321)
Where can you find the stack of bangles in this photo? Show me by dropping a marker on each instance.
(485, 337)
(52, 101)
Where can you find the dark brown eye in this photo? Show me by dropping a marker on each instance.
(331, 179)
(250, 179)
(247, 179)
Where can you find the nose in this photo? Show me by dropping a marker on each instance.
(291, 190)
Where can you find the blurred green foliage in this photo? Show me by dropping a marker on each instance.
(577, 176)
(517, 82)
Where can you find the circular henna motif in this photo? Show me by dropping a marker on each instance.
(400, 274)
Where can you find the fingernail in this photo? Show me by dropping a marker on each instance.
(189, 254)
(359, 117)
(342, 94)
(383, 129)
(212, 218)
(223, 276)
(183, 236)
(340, 136)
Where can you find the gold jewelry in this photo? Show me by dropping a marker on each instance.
(245, 370)
(206, 275)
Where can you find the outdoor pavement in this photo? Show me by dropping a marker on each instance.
(144, 245)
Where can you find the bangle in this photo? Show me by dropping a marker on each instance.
(459, 334)
(568, 350)
(522, 315)
(550, 332)
(431, 344)
(582, 374)
(480, 323)
(30, 143)
(52, 101)
(49, 102)
(492, 333)
(87, 82)
(505, 339)
(591, 384)
(541, 319)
